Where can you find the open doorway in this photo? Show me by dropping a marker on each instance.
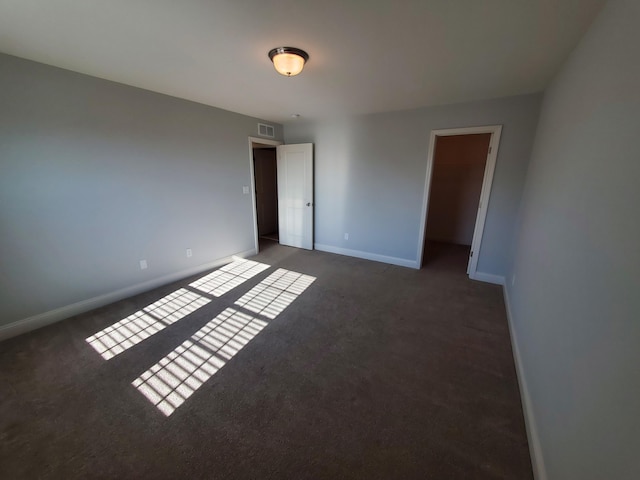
(457, 189)
(264, 179)
(265, 171)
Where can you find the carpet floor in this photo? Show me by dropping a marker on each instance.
(302, 364)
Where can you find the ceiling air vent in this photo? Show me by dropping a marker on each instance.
(266, 130)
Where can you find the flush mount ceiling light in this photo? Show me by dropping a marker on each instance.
(288, 61)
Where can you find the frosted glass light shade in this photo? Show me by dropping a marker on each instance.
(288, 61)
(288, 64)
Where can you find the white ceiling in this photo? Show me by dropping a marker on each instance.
(366, 56)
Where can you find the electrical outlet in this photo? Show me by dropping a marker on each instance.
(143, 264)
(346, 236)
(245, 190)
(189, 253)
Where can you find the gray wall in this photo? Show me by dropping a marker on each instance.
(575, 303)
(370, 172)
(97, 175)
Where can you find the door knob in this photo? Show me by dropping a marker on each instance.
(308, 204)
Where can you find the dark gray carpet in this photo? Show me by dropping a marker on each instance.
(373, 372)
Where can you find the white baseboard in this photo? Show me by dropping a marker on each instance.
(367, 256)
(487, 277)
(37, 321)
(535, 450)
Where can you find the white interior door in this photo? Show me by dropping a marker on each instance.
(295, 195)
(483, 205)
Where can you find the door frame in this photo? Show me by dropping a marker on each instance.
(487, 181)
(259, 141)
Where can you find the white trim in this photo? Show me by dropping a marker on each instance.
(261, 141)
(52, 316)
(495, 131)
(265, 141)
(402, 262)
(485, 193)
(425, 197)
(487, 277)
(535, 450)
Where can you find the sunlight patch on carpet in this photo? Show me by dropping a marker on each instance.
(178, 375)
(139, 326)
(171, 381)
(275, 293)
(228, 277)
(153, 318)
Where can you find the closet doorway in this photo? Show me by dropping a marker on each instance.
(460, 171)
